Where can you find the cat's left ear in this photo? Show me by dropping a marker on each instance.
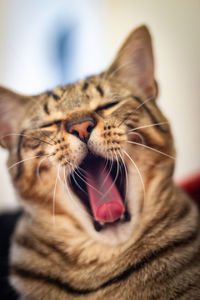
(12, 107)
(134, 63)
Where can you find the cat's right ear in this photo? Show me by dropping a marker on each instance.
(134, 63)
(12, 107)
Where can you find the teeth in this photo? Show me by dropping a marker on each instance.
(101, 223)
(122, 218)
(125, 217)
(98, 226)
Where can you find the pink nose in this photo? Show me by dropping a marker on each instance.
(81, 129)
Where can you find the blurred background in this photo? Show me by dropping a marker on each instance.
(44, 43)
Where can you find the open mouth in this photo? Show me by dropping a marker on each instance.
(101, 186)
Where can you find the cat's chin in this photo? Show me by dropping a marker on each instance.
(100, 186)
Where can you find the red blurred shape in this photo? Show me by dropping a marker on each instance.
(191, 185)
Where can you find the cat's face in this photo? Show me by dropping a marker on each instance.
(85, 147)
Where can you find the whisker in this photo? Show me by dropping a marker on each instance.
(70, 165)
(54, 196)
(45, 135)
(119, 162)
(126, 174)
(26, 135)
(38, 166)
(138, 171)
(140, 136)
(77, 170)
(146, 126)
(125, 119)
(72, 174)
(114, 181)
(147, 100)
(123, 169)
(70, 196)
(111, 165)
(81, 170)
(130, 66)
(88, 183)
(150, 148)
(24, 160)
(105, 165)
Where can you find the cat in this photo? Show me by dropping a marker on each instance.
(92, 164)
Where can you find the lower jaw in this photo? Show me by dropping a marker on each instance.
(115, 174)
(126, 217)
(100, 226)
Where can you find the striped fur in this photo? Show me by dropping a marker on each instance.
(56, 252)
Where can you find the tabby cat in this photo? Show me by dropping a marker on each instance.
(92, 164)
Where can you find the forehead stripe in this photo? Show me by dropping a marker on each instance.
(100, 90)
(46, 108)
(50, 93)
(85, 86)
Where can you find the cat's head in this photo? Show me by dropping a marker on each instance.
(95, 151)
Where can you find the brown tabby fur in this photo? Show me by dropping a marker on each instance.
(56, 253)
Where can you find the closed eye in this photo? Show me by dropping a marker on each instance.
(51, 124)
(106, 106)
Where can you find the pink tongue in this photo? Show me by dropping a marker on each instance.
(105, 199)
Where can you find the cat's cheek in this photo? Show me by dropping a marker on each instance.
(96, 145)
(76, 152)
(78, 149)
